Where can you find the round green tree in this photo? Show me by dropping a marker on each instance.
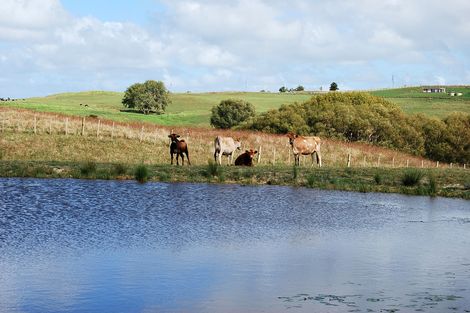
(231, 112)
(334, 86)
(148, 97)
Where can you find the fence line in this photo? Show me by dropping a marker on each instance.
(44, 124)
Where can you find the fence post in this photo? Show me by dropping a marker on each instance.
(450, 165)
(465, 166)
(437, 163)
(393, 162)
(98, 129)
(364, 162)
(407, 162)
(378, 161)
(66, 126)
(349, 159)
(141, 134)
(83, 126)
(259, 155)
(112, 131)
(422, 163)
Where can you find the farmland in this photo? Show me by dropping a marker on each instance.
(193, 109)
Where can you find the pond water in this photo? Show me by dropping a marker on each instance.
(119, 246)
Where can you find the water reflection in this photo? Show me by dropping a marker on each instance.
(104, 246)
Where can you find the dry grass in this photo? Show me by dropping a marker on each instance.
(28, 135)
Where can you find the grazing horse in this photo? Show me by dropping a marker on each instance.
(178, 147)
(305, 146)
(225, 146)
(246, 159)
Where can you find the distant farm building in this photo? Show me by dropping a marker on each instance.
(434, 89)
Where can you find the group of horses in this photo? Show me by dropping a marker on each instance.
(226, 146)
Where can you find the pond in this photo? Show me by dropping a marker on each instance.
(119, 246)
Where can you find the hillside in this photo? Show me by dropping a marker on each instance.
(413, 100)
(194, 108)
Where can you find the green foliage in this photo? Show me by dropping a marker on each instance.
(295, 172)
(88, 168)
(141, 173)
(357, 116)
(151, 96)
(412, 177)
(231, 112)
(334, 86)
(299, 88)
(283, 89)
(311, 179)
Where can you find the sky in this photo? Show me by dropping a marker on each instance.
(53, 46)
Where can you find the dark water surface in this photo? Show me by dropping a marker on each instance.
(107, 246)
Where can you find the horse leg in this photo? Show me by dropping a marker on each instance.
(318, 159)
(171, 154)
(187, 156)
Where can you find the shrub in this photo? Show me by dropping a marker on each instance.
(311, 180)
(88, 168)
(141, 173)
(411, 177)
(231, 112)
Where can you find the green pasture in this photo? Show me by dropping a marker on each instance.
(193, 109)
(413, 100)
(188, 109)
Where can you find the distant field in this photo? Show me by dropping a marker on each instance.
(193, 109)
(187, 109)
(413, 100)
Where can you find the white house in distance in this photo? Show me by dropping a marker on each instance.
(434, 89)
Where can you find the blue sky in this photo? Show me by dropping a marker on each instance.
(52, 46)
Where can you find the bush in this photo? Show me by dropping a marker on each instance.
(151, 96)
(141, 173)
(231, 112)
(411, 177)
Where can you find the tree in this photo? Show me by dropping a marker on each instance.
(283, 89)
(334, 86)
(151, 96)
(299, 88)
(231, 112)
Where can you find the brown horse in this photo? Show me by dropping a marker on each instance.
(178, 147)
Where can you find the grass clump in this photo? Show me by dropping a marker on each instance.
(295, 172)
(378, 178)
(141, 173)
(88, 168)
(411, 177)
(432, 187)
(119, 169)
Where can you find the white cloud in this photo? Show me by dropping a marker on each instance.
(217, 45)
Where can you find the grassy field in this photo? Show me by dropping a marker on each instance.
(193, 109)
(413, 100)
(188, 109)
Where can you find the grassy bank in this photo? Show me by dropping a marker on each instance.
(432, 182)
